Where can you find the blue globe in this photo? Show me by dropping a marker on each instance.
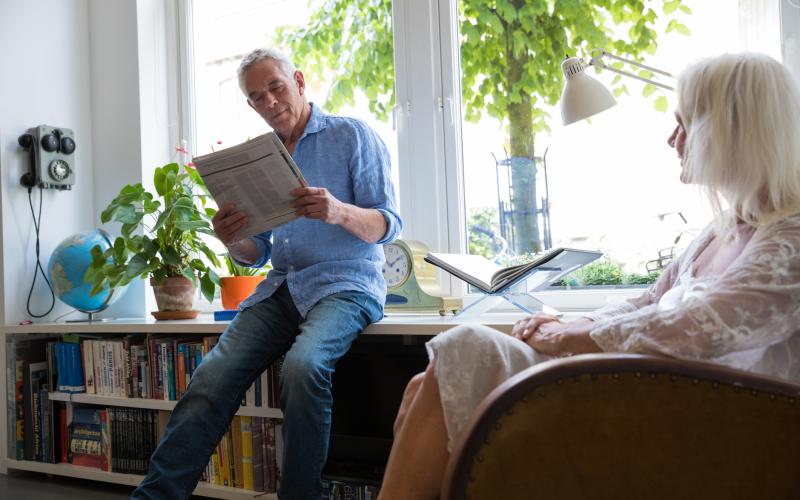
(68, 264)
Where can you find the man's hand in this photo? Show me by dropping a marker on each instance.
(228, 222)
(318, 203)
(548, 335)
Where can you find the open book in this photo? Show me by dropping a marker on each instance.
(256, 176)
(489, 277)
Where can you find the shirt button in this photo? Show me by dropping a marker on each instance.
(286, 240)
(291, 268)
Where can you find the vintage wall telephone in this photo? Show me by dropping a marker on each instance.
(52, 163)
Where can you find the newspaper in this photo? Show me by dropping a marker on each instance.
(257, 177)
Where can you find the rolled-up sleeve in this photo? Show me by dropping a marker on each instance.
(264, 244)
(371, 171)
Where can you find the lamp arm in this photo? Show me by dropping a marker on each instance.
(598, 62)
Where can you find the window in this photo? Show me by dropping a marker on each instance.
(609, 184)
(224, 32)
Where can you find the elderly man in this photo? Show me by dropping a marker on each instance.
(325, 287)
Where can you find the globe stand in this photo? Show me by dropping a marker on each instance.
(90, 319)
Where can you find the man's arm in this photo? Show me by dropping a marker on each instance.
(227, 223)
(245, 251)
(368, 224)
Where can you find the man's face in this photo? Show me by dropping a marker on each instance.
(279, 99)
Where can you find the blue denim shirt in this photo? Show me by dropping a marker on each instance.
(316, 259)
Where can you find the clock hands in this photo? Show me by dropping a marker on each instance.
(394, 261)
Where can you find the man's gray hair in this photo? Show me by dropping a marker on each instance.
(259, 55)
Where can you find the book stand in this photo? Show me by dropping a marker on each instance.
(517, 293)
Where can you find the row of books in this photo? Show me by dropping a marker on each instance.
(248, 455)
(119, 439)
(113, 439)
(157, 367)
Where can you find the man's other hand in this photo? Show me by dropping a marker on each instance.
(318, 203)
(228, 222)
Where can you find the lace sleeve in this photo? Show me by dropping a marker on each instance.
(649, 296)
(754, 303)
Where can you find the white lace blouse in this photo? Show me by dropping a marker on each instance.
(747, 317)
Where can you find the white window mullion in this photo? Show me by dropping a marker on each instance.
(449, 51)
(428, 120)
(423, 188)
(790, 35)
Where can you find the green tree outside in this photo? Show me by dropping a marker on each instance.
(510, 53)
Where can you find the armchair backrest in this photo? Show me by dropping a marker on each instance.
(615, 426)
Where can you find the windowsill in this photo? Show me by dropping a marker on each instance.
(571, 300)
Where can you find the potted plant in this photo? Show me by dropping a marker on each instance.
(240, 282)
(161, 237)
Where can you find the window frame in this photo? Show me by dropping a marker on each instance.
(428, 116)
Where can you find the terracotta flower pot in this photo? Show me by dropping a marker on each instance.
(175, 293)
(235, 289)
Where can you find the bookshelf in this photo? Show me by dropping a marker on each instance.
(405, 326)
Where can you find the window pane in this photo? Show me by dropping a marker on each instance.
(225, 31)
(610, 184)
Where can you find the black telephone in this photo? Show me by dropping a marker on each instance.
(52, 164)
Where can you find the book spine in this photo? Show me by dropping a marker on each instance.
(247, 453)
(75, 371)
(257, 436)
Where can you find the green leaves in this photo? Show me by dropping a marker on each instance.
(171, 245)
(660, 104)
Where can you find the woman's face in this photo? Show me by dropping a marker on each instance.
(677, 140)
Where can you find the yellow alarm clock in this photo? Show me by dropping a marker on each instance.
(411, 282)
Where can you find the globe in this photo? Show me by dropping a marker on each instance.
(68, 264)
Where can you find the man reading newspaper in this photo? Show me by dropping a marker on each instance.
(325, 287)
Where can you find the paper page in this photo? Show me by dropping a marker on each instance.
(256, 176)
(474, 269)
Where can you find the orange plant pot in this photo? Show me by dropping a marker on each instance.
(235, 289)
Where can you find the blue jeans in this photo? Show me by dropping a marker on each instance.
(257, 337)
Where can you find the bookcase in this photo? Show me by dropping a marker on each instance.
(391, 351)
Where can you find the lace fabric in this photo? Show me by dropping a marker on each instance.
(745, 317)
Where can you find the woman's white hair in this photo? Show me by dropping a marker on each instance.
(259, 55)
(742, 118)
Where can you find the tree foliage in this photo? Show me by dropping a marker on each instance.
(510, 49)
(510, 64)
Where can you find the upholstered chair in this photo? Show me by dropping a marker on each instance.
(613, 426)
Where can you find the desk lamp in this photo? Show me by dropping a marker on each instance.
(583, 96)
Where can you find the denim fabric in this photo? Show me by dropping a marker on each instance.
(257, 337)
(346, 157)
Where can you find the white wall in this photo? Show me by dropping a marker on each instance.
(44, 79)
(98, 67)
(115, 117)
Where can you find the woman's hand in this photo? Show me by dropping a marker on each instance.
(548, 335)
(525, 327)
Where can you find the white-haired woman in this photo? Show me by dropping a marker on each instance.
(733, 297)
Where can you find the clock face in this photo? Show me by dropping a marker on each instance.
(397, 266)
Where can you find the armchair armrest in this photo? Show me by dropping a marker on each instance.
(630, 426)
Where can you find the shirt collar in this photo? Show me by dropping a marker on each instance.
(316, 122)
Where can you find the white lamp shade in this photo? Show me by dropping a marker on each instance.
(583, 96)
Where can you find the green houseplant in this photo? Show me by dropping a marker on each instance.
(160, 237)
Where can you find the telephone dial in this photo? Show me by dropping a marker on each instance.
(52, 163)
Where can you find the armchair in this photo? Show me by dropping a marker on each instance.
(617, 426)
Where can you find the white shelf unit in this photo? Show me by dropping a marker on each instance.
(403, 324)
(69, 470)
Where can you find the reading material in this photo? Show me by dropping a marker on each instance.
(256, 176)
(489, 277)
